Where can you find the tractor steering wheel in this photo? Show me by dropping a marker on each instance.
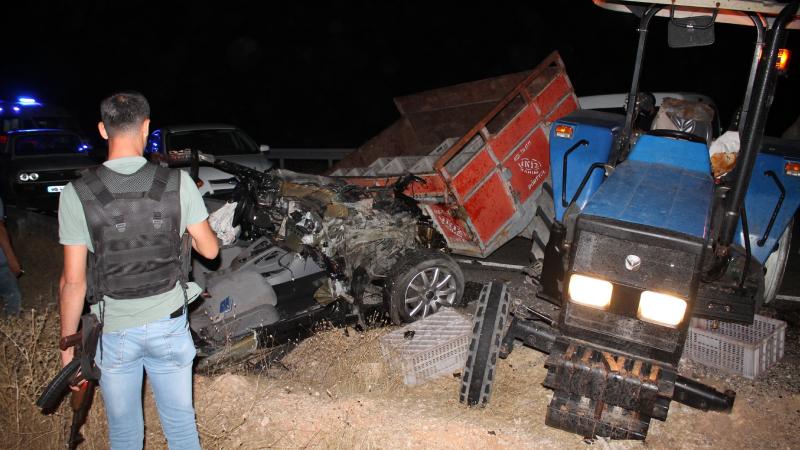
(675, 134)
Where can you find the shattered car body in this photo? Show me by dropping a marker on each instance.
(313, 248)
(349, 228)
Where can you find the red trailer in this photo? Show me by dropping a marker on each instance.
(481, 151)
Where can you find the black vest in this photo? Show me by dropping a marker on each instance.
(134, 225)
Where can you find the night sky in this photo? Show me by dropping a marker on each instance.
(303, 74)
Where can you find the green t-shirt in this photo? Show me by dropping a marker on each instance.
(72, 230)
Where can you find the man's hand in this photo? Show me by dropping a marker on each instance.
(15, 268)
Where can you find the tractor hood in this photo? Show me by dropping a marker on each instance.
(654, 195)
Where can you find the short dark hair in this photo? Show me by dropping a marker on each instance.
(123, 112)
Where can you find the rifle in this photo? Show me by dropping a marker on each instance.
(80, 372)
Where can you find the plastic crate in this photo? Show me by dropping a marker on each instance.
(746, 350)
(438, 347)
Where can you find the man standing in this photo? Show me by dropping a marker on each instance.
(122, 226)
(9, 269)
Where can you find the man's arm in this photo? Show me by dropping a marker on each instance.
(204, 240)
(5, 245)
(72, 293)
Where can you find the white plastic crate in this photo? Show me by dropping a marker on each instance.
(746, 350)
(438, 347)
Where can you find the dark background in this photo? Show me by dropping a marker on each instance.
(303, 74)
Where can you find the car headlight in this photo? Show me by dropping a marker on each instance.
(24, 176)
(590, 291)
(661, 309)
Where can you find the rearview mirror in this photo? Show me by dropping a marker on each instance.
(263, 148)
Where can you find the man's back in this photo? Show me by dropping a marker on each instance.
(74, 230)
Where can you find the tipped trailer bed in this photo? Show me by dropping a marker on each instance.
(479, 152)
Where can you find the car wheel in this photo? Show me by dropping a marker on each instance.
(491, 320)
(421, 283)
(776, 265)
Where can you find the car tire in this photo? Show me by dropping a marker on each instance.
(776, 265)
(489, 325)
(423, 281)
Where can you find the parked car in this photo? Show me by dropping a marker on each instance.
(173, 145)
(37, 164)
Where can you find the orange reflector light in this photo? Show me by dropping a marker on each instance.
(792, 168)
(564, 131)
(783, 59)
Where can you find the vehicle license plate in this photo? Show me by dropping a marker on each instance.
(55, 189)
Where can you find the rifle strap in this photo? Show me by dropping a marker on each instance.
(91, 331)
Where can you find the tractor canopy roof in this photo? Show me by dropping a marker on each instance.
(729, 11)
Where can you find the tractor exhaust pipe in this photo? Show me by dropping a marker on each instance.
(752, 133)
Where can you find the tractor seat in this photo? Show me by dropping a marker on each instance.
(685, 115)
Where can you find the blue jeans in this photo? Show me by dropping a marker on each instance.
(9, 290)
(165, 350)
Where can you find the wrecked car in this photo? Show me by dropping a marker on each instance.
(311, 248)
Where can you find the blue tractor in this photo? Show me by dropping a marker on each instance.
(645, 236)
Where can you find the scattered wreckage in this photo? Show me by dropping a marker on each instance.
(635, 228)
(314, 248)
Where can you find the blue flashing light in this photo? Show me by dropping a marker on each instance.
(15, 108)
(27, 101)
(1, 109)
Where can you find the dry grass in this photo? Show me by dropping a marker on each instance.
(29, 358)
(338, 361)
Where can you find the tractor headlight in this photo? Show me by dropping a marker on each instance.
(590, 291)
(661, 309)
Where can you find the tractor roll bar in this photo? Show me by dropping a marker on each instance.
(758, 22)
(753, 132)
(625, 137)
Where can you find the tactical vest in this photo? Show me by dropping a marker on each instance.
(134, 225)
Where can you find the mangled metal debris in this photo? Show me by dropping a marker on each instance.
(314, 248)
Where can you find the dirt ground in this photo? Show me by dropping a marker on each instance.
(335, 391)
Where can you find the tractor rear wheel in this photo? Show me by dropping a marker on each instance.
(776, 265)
(542, 221)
